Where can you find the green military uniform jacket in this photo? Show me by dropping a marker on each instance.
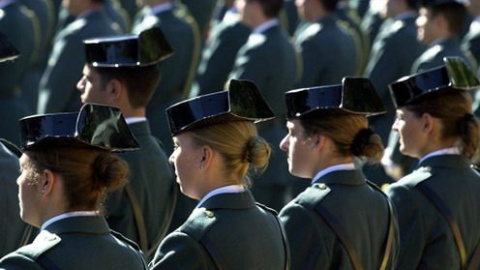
(471, 41)
(152, 180)
(12, 227)
(350, 18)
(328, 53)
(269, 59)
(177, 71)
(58, 91)
(228, 231)
(393, 53)
(76, 243)
(361, 210)
(202, 13)
(18, 24)
(433, 56)
(426, 239)
(219, 56)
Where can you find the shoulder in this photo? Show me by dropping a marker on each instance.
(404, 187)
(44, 242)
(199, 223)
(306, 201)
(125, 240)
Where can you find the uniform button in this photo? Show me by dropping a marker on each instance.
(322, 186)
(209, 214)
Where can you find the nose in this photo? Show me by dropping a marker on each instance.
(81, 84)
(284, 144)
(395, 125)
(171, 157)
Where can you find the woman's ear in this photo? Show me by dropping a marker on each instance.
(428, 122)
(48, 182)
(207, 156)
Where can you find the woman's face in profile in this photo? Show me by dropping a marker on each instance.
(29, 192)
(186, 158)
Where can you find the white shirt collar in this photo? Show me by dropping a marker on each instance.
(221, 190)
(338, 167)
(133, 120)
(436, 42)
(406, 15)
(68, 215)
(161, 8)
(265, 26)
(445, 151)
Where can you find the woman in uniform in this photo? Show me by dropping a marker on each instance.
(216, 145)
(438, 203)
(66, 169)
(341, 221)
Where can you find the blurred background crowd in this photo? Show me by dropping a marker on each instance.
(305, 43)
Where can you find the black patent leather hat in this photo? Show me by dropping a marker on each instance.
(94, 125)
(147, 48)
(454, 75)
(242, 101)
(432, 3)
(7, 49)
(354, 96)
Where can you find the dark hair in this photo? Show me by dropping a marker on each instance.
(271, 8)
(239, 144)
(329, 5)
(413, 4)
(141, 82)
(349, 132)
(454, 13)
(454, 109)
(88, 173)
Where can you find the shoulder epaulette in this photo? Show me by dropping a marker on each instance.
(199, 222)
(43, 242)
(313, 195)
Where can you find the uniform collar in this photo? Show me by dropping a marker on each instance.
(265, 26)
(221, 190)
(338, 167)
(444, 151)
(161, 8)
(67, 215)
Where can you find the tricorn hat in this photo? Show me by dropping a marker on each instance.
(7, 50)
(454, 75)
(354, 96)
(242, 101)
(96, 126)
(145, 49)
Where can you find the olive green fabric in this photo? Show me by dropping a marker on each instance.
(228, 231)
(177, 72)
(328, 52)
(425, 236)
(80, 243)
(57, 91)
(360, 209)
(152, 180)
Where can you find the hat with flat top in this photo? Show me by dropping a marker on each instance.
(242, 101)
(96, 126)
(145, 49)
(7, 49)
(354, 96)
(432, 3)
(454, 75)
